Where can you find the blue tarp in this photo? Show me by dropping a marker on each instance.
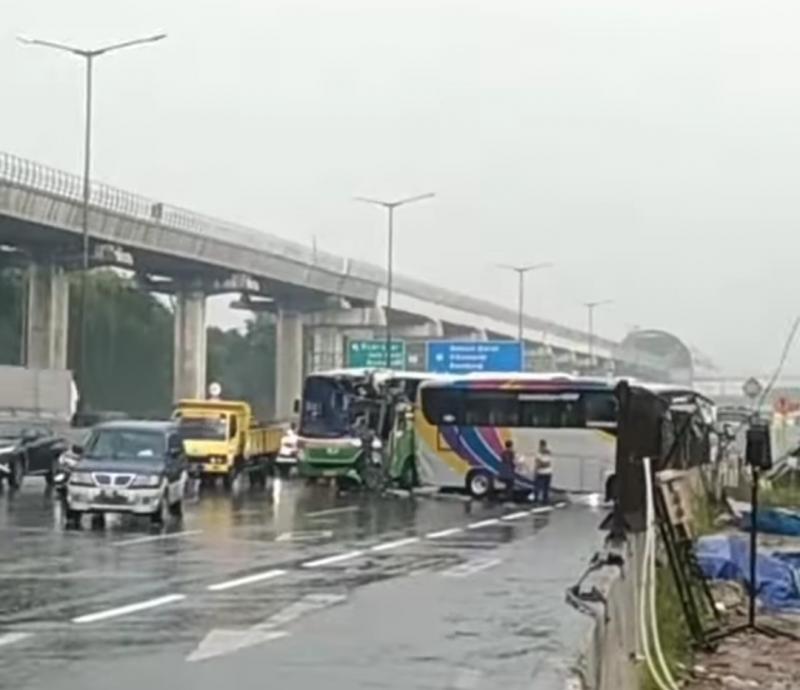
(728, 558)
(774, 521)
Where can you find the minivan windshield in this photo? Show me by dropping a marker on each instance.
(125, 444)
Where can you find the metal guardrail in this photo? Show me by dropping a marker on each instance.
(22, 172)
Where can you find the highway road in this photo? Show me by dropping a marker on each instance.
(292, 587)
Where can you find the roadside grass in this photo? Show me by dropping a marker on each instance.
(705, 514)
(784, 493)
(674, 634)
(780, 493)
(676, 641)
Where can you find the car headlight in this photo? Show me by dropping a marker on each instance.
(7, 449)
(67, 460)
(147, 480)
(83, 478)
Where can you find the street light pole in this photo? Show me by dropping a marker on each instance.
(521, 271)
(591, 306)
(89, 56)
(87, 163)
(390, 206)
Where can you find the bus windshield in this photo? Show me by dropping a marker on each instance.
(327, 407)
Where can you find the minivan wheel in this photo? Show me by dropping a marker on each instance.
(72, 518)
(176, 509)
(17, 475)
(159, 516)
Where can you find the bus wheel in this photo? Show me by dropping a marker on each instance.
(408, 476)
(611, 488)
(479, 483)
(372, 477)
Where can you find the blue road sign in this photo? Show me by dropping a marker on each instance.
(462, 357)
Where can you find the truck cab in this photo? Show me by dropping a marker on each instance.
(222, 439)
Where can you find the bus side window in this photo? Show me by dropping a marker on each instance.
(600, 409)
(491, 408)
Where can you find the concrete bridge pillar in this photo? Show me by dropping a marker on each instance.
(327, 349)
(289, 362)
(47, 321)
(189, 364)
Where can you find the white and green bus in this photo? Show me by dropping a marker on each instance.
(340, 407)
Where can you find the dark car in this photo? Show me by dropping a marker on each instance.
(129, 467)
(28, 449)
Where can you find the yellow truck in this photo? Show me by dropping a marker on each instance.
(221, 438)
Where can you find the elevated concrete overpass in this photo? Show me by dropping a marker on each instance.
(192, 256)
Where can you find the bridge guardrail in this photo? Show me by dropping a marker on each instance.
(19, 171)
(22, 172)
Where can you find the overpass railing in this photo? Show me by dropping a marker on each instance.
(21, 172)
(25, 173)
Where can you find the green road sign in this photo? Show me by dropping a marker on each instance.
(371, 354)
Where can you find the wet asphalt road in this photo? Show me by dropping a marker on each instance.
(292, 587)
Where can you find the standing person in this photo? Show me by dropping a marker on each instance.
(509, 461)
(543, 468)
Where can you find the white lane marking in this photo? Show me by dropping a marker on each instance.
(400, 493)
(307, 535)
(483, 523)
(386, 546)
(130, 608)
(516, 516)
(329, 560)
(157, 537)
(333, 511)
(542, 510)
(13, 637)
(561, 504)
(220, 641)
(248, 580)
(472, 567)
(444, 533)
(302, 607)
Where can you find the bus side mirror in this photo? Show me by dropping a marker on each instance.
(296, 406)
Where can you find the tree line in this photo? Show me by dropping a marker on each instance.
(129, 350)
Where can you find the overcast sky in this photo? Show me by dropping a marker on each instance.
(650, 150)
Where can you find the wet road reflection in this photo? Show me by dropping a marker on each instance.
(77, 605)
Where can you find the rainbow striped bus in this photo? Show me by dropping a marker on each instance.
(462, 424)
